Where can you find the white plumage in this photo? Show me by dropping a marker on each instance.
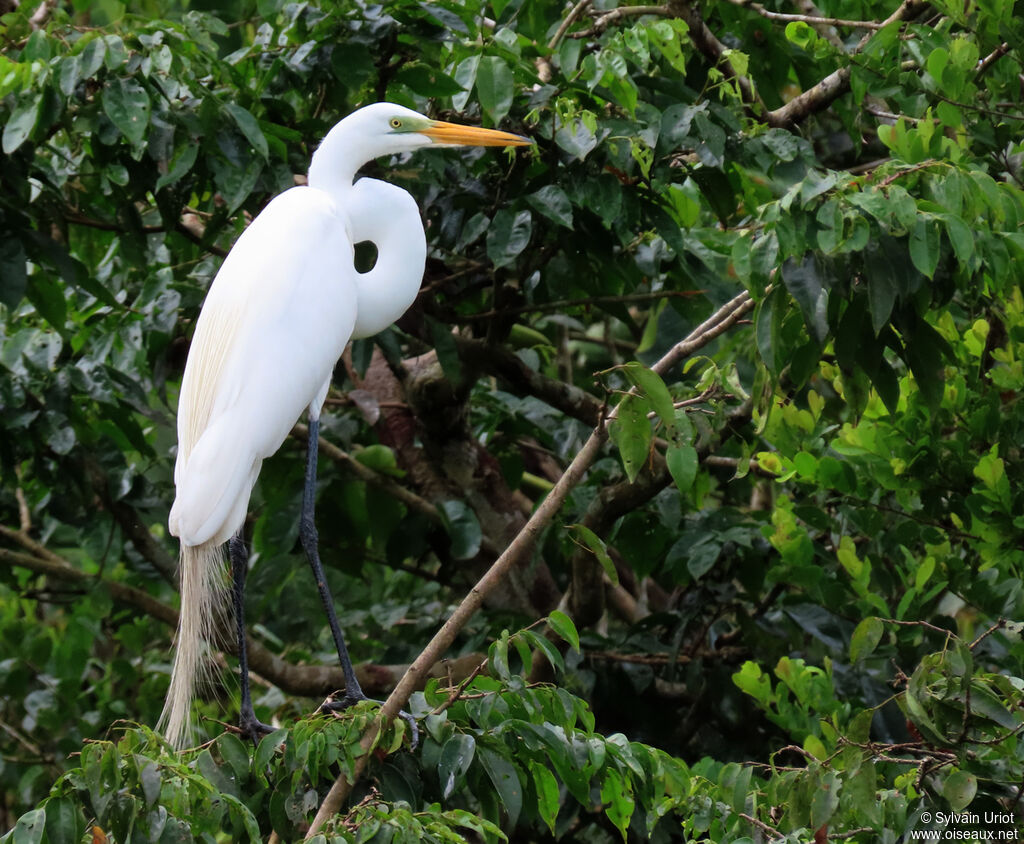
(277, 317)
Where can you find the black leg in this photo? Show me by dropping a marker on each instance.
(308, 535)
(247, 722)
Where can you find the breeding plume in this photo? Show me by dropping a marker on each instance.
(278, 315)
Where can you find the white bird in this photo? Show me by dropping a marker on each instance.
(277, 317)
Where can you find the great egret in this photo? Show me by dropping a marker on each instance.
(276, 319)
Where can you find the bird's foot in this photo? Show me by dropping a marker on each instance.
(252, 728)
(340, 704)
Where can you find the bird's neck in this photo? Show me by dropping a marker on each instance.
(387, 216)
(376, 211)
(335, 162)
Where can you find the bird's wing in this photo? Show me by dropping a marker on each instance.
(275, 321)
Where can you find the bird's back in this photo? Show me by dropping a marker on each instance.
(275, 321)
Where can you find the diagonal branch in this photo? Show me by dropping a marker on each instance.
(518, 550)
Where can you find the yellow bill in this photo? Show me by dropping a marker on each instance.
(453, 134)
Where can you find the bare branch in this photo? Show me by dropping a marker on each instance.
(761, 825)
(837, 83)
(503, 363)
(808, 19)
(516, 554)
(568, 21)
(563, 304)
(606, 19)
(990, 60)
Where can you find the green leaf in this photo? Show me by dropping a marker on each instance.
(563, 625)
(882, 289)
(447, 350)
(29, 828)
(771, 313)
(508, 235)
(682, 462)
(654, 389)
(150, 779)
(804, 283)
(959, 789)
(617, 795)
(825, 798)
(267, 749)
(546, 786)
(249, 127)
(380, 458)
(13, 272)
(235, 755)
(865, 638)
(961, 236)
(553, 203)
(631, 432)
(495, 87)
(599, 549)
(925, 353)
(21, 122)
(925, 246)
(64, 821)
(127, 105)
(456, 757)
(465, 76)
(48, 297)
(463, 529)
(182, 163)
(505, 777)
(428, 81)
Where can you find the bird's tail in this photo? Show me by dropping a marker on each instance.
(203, 604)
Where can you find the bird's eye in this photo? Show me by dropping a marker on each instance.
(396, 123)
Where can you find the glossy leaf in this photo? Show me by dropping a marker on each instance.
(631, 432)
(249, 127)
(495, 87)
(127, 105)
(456, 757)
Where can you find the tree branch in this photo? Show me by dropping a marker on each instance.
(517, 552)
(506, 365)
(713, 49)
(837, 83)
(563, 304)
(808, 19)
(605, 19)
(389, 485)
(305, 680)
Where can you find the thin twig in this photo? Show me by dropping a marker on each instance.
(761, 825)
(389, 485)
(808, 19)
(999, 625)
(24, 514)
(458, 690)
(990, 60)
(563, 304)
(606, 19)
(925, 624)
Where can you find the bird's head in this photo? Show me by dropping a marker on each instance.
(387, 129)
(390, 128)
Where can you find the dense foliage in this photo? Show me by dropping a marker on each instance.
(772, 251)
